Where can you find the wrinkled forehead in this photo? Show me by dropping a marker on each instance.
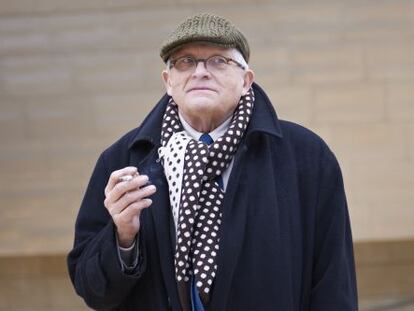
(200, 49)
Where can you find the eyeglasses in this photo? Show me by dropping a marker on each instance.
(215, 63)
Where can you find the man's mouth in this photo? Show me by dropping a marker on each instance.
(200, 88)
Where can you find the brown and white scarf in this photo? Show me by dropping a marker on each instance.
(191, 168)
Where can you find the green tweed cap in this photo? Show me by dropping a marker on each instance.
(205, 28)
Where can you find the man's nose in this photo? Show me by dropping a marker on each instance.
(201, 69)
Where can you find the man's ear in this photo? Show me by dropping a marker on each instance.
(167, 83)
(247, 81)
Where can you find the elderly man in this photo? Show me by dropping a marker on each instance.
(213, 203)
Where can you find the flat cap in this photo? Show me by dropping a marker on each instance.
(206, 28)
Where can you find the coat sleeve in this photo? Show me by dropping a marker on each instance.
(333, 278)
(94, 265)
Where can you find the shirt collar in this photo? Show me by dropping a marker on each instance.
(216, 133)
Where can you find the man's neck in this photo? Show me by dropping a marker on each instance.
(215, 133)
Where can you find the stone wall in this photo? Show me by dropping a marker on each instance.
(75, 75)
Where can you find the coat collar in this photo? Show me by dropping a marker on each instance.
(264, 120)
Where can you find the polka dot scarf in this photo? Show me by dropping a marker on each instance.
(191, 168)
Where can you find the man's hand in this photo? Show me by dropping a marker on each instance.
(125, 200)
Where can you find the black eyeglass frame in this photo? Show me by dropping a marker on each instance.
(205, 60)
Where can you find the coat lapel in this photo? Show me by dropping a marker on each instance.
(147, 159)
(162, 221)
(160, 211)
(264, 120)
(231, 236)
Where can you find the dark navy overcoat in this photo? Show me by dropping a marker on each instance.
(285, 240)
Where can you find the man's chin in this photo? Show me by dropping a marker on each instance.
(201, 102)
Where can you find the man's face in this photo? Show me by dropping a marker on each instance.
(204, 98)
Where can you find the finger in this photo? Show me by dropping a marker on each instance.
(125, 186)
(119, 190)
(135, 209)
(135, 196)
(131, 197)
(115, 175)
(129, 213)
